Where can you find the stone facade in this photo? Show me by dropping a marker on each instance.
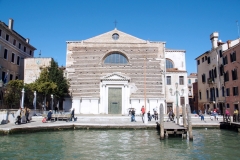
(33, 66)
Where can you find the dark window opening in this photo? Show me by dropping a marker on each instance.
(11, 77)
(235, 91)
(168, 80)
(13, 57)
(181, 80)
(5, 53)
(115, 58)
(19, 45)
(14, 42)
(7, 37)
(18, 60)
(198, 62)
(209, 60)
(220, 53)
(24, 49)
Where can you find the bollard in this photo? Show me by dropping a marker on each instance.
(184, 116)
(161, 122)
(189, 122)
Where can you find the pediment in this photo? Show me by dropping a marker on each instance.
(108, 38)
(116, 76)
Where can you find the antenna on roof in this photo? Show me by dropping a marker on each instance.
(39, 54)
(238, 29)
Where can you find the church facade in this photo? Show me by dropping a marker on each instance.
(114, 72)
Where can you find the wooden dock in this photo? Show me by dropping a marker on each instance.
(172, 129)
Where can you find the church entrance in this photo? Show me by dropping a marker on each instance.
(114, 100)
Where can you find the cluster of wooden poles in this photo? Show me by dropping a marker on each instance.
(187, 123)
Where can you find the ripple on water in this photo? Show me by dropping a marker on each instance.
(119, 144)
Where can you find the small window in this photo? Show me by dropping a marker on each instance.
(225, 60)
(223, 92)
(14, 42)
(7, 37)
(220, 53)
(168, 80)
(30, 52)
(203, 78)
(202, 59)
(235, 91)
(181, 80)
(234, 74)
(3, 76)
(189, 81)
(233, 56)
(207, 94)
(16, 77)
(198, 62)
(19, 45)
(18, 60)
(226, 76)
(0, 32)
(209, 60)
(5, 54)
(24, 49)
(11, 77)
(200, 95)
(228, 92)
(205, 58)
(217, 95)
(13, 58)
(228, 105)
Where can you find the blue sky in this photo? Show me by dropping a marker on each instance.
(182, 24)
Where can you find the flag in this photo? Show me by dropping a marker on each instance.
(5, 78)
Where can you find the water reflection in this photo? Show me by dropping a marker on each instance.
(120, 144)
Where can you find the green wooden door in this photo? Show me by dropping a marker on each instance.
(114, 100)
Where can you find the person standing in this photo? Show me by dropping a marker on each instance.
(143, 112)
(27, 115)
(149, 116)
(155, 115)
(73, 114)
(49, 116)
(133, 116)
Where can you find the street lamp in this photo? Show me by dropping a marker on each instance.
(52, 102)
(177, 94)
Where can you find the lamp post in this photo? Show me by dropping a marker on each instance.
(177, 94)
(52, 102)
(34, 102)
(23, 91)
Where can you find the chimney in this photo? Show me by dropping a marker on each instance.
(10, 24)
(214, 39)
(27, 40)
(229, 44)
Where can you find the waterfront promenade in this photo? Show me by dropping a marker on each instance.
(96, 122)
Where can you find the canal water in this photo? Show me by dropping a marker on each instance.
(120, 144)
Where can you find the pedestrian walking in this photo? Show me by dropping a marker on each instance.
(149, 116)
(133, 116)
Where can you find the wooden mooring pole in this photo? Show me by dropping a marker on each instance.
(161, 122)
(189, 123)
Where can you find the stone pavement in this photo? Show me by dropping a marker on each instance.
(97, 122)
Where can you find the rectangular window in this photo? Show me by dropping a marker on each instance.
(19, 45)
(234, 74)
(168, 80)
(181, 80)
(220, 53)
(221, 70)
(228, 92)
(228, 105)
(225, 60)
(198, 62)
(7, 37)
(226, 77)
(18, 60)
(208, 60)
(223, 92)
(207, 94)
(11, 77)
(235, 91)
(200, 95)
(0, 32)
(217, 92)
(31, 53)
(202, 59)
(205, 58)
(16, 77)
(13, 58)
(24, 49)
(3, 76)
(5, 54)
(203, 78)
(14, 42)
(233, 56)
(189, 81)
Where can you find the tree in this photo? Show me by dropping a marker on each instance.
(13, 93)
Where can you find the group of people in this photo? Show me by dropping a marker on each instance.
(23, 113)
(155, 114)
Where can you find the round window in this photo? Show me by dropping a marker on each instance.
(115, 36)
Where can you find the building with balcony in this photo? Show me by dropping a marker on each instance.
(211, 76)
(232, 75)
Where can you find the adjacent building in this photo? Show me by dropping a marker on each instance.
(212, 75)
(192, 79)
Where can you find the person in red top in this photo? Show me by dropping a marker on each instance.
(143, 112)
